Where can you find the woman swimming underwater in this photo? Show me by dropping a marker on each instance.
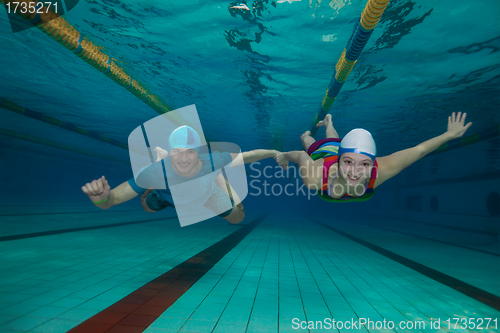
(348, 170)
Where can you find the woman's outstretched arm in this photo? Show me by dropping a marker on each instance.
(309, 171)
(390, 166)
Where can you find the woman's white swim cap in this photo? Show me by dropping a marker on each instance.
(184, 137)
(358, 141)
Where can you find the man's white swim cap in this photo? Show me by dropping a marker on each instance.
(358, 141)
(184, 137)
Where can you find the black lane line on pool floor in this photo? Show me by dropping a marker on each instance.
(138, 310)
(426, 238)
(448, 227)
(64, 231)
(460, 286)
(62, 213)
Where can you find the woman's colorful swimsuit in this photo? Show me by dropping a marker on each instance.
(328, 149)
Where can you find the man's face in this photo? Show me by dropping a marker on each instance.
(184, 161)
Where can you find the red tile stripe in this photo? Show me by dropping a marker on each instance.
(135, 312)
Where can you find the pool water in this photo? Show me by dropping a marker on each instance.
(423, 252)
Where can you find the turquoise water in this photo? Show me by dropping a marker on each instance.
(257, 80)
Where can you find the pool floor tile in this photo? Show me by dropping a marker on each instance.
(278, 272)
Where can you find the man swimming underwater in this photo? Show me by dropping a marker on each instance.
(185, 164)
(347, 170)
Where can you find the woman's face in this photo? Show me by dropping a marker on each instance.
(355, 168)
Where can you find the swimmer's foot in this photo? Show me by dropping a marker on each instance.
(326, 121)
(306, 133)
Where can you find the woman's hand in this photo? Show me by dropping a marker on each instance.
(456, 127)
(281, 160)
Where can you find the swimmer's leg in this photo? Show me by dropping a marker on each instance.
(307, 140)
(218, 201)
(330, 131)
(237, 213)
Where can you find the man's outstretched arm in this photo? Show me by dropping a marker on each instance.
(256, 155)
(101, 195)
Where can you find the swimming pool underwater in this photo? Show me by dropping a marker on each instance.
(423, 252)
